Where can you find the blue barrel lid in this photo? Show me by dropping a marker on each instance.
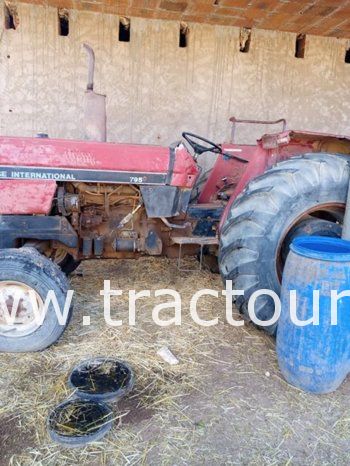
(322, 247)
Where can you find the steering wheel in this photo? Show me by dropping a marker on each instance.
(199, 148)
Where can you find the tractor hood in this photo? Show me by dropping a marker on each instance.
(71, 160)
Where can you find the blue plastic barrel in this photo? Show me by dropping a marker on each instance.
(315, 358)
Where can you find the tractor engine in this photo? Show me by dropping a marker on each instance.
(109, 219)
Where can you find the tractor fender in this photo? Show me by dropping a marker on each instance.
(54, 228)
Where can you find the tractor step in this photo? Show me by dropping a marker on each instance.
(200, 240)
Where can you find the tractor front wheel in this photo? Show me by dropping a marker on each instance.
(30, 286)
(304, 195)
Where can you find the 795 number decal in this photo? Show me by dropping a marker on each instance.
(138, 179)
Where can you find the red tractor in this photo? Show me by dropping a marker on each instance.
(69, 200)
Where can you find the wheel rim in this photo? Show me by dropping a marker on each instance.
(24, 320)
(333, 212)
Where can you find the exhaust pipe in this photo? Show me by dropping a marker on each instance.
(95, 119)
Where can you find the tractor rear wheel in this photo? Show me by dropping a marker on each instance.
(304, 195)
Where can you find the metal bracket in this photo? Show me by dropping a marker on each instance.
(194, 269)
(200, 241)
(235, 120)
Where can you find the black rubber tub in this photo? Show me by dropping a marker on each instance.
(76, 423)
(102, 379)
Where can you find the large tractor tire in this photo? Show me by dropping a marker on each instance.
(27, 276)
(304, 195)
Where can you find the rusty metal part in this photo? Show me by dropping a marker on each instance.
(235, 120)
(98, 246)
(129, 216)
(153, 244)
(90, 218)
(71, 203)
(175, 225)
(126, 242)
(87, 247)
(107, 195)
(60, 201)
(201, 241)
(123, 244)
(67, 202)
(113, 220)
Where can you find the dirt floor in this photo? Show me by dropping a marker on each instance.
(225, 403)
